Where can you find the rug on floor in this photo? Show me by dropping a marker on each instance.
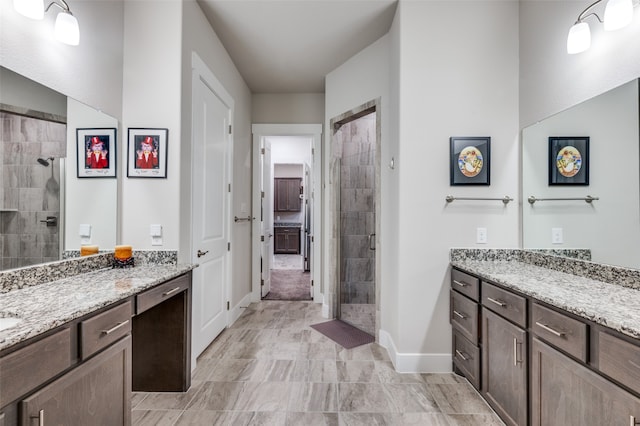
(343, 334)
(288, 284)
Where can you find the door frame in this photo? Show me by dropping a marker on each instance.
(314, 131)
(202, 71)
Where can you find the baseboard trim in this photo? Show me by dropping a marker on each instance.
(414, 362)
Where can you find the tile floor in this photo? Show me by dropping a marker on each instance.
(287, 261)
(271, 368)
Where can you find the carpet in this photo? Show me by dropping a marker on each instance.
(344, 334)
(288, 284)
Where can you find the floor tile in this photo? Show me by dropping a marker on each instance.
(361, 397)
(357, 371)
(312, 419)
(154, 417)
(458, 399)
(317, 397)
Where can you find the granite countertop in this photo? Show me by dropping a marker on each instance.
(48, 305)
(610, 305)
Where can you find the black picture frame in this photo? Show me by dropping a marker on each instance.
(153, 162)
(470, 160)
(569, 160)
(98, 163)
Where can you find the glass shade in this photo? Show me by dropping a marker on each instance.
(33, 9)
(579, 38)
(618, 14)
(66, 29)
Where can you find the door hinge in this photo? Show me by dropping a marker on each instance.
(229, 187)
(261, 282)
(262, 194)
(313, 151)
(262, 238)
(262, 151)
(311, 238)
(228, 305)
(311, 283)
(228, 246)
(229, 128)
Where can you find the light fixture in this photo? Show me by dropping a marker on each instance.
(618, 14)
(66, 29)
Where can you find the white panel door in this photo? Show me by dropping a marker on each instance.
(210, 202)
(267, 219)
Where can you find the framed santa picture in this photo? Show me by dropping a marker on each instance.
(147, 153)
(96, 149)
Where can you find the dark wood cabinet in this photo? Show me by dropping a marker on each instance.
(504, 367)
(97, 392)
(565, 392)
(286, 240)
(287, 194)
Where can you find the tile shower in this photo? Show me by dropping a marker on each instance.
(30, 190)
(357, 222)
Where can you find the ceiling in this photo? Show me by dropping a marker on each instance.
(288, 46)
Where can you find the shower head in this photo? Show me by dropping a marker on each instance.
(45, 162)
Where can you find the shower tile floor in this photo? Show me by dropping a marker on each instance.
(271, 368)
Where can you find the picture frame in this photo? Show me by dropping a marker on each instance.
(96, 150)
(470, 160)
(569, 160)
(147, 152)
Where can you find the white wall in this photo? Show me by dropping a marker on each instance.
(610, 227)
(465, 84)
(552, 80)
(151, 99)
(198, 36)
(19, 91)
(88, 201)
(91, 72)
(288, 108)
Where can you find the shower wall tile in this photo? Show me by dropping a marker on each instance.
(358, 177)
(358, 270)
(356, 200)
(11, 246)
(355, 246)
(357, 223)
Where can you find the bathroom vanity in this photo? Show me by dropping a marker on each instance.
(83, 343)
(546, 347)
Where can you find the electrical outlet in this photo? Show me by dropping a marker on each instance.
(556, 236)
(481, 235)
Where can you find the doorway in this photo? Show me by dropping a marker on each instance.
(355, 164)
(286, 212)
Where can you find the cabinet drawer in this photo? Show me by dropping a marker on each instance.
(465, 284)
(619, 360)
(159, 294)
(27, 368)
(466, 356)
(503, 302)
(464, 316)
(104, 329)
(567, 334)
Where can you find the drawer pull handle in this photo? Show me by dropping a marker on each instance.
(114, 328)
(170, 291)
(550, 330)
(460, 283)
(516, 361)
(497, 302)
(461, 355)
(459, 315)
(41, 417)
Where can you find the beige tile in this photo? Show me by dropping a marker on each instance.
(357, 371)
(235, 418)
(458, 399)
(423, 419)
(312, 419)
(154, 417)
(326, 351)
(369, 419)
(443, 378)
(474, 420)
(359, 353)
(168, 400)
(136, 398)
(232, 370)
(366, 398)
(204, 368)
(379, 353)
(216, 396)
(317, 397)
(265, 396)
(315, 370)
(273, 370)
(411, 398)
(387, 374)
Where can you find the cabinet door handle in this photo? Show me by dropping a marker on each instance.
(166, 293)
(459, 315)
(114, 328)
(497, 302)
(516, 361)
(41, 417)
(461, 355)
(550, 330)
(460, 283)
(372, 242)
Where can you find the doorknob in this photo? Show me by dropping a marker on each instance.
(202, 253)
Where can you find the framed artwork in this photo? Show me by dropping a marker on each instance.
(96, 149)
(147, 153)
(470, 160)
(568, 160)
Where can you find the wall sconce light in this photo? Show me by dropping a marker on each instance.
(66, 29)
(617, 14)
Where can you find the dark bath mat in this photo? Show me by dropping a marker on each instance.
(344, 334)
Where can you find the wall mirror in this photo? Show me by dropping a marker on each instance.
(609, 226)
(43, 203)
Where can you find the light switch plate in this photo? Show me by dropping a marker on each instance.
(84, 230)
(155, 230)
(481, 235)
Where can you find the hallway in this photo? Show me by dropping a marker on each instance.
(271, 368)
